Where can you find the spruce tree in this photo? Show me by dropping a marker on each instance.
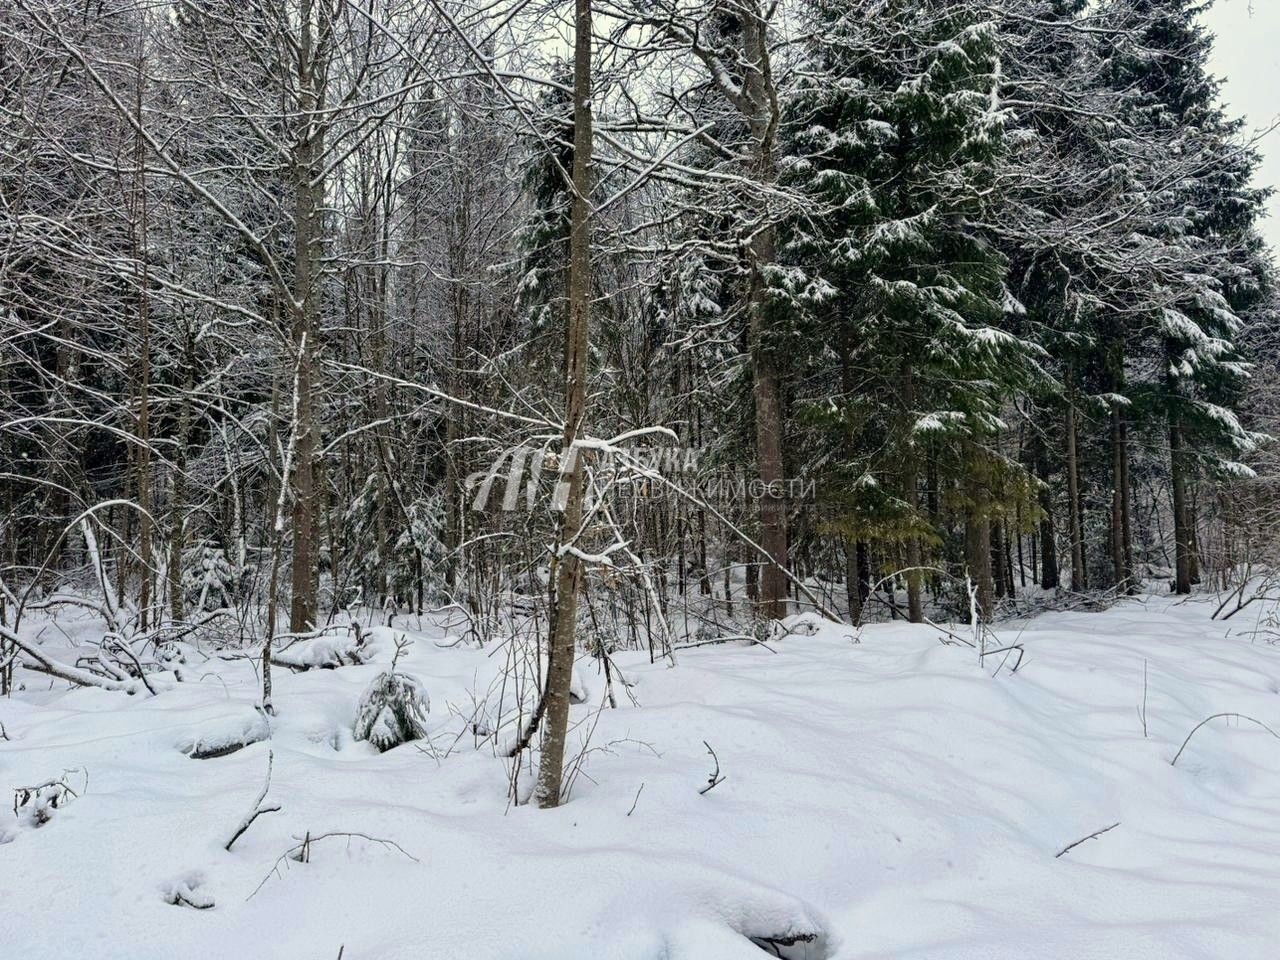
(896, 138)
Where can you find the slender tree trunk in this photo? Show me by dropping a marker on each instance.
(977, 532)
(142, 228)
(998, 575)
(178, 487)
(911, 495)
(1121, 527)
(1181, 511)
(1121, 530)
(1073, 502)
(568, 575)
(1048, 544)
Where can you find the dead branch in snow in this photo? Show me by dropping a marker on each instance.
(715, 779)
(1216, 716)
(41, 662)
(1095, 834)
(257, 809)
(636, 800)
(294, 852)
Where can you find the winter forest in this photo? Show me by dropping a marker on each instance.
(635, 478)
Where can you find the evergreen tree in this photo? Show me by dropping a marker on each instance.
(896, 138)
(1213, 269)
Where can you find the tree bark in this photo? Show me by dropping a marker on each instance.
(766, 379)
(308, 235)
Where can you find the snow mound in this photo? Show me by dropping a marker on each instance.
(225, 736)
(188, 890)
(327, 652)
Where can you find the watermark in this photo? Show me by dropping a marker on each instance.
(521, 478)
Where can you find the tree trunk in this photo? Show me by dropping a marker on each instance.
(766, 389)
(999, 576)
(977, 541)
(178, 487)
(1048, 543)
(568, 576)
(766, 379)
(142, 227)
(977, 533)
(911, 495)
(1121, 529)
(852, 581)
(1181, 509)
(308, 233)
(1073, 502)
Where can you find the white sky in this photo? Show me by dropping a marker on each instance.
(1246, 57)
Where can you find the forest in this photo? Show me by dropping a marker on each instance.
(600, 338)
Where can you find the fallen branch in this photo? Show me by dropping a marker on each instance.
(294, 852)
(636, 800)
(257, 809)
(1216, 716)
(1092, 836)
(731, 638)
(1006, 651)
(715, 779)
(43, 663)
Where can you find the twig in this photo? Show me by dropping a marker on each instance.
(1142, 710)
(636, 800)
(296, 848)
(715, 779)
(1006, 651)
(1238, 716)
(257, 809)
(727, 639)
(1098, 833)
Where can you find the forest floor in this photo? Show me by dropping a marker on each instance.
(889, 795)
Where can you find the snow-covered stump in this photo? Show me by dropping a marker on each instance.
(393, 710)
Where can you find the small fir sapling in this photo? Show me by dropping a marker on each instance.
(393, 709)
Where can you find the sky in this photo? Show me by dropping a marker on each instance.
(1246, 58)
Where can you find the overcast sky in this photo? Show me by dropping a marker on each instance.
(1247, 58)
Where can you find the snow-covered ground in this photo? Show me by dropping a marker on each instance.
(888, 793)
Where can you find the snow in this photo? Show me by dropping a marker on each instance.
(881, 791)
